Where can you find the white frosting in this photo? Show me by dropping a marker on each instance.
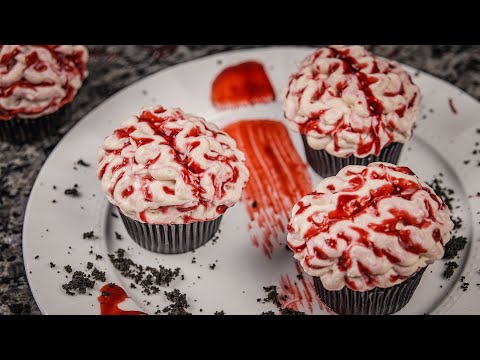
(331, 246)
(36, 80)
(343, 97)
(187, 169)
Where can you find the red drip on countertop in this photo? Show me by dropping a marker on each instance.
(112, 296)
(243, 84)
(278, 178)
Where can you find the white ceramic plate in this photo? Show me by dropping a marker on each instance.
(441, 142)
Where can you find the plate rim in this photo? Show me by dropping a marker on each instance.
(174, 67)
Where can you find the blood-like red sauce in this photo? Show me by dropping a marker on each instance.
(278, 178)
(243, 84)
(299, 293)
(112, 296)
(63, 61)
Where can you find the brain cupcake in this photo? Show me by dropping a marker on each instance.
(367, 235)
(351, 107)
(37, 84)
(172, 176)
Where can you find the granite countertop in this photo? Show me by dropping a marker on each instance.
(114, 67)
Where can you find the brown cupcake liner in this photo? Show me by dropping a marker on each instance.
(17, 130)
(172, 238)
(377, 301)
(327, 165)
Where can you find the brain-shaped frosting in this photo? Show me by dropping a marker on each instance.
(165, 167)
(36, 80)
(349, 102)
(369, 227)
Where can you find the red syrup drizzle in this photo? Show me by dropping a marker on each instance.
(191, 172)
(243, 84)
(350, 206)
(300, 293)
(278, 178)
(64, 61)
(452, 106)
(109, 304)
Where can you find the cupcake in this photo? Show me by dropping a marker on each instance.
(37, 85)
(172, 176)
(351, 107)
(367, 235)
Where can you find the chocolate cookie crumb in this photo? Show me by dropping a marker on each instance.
(52, 265)
(36, 257)
(68, 269)
(118, 236)
(465, 286)
(148, 278)
(272, 295)
(83, 163)
(221, 312)
(300, 277)
(99, 275)
(455, 245)
(443, 192)
(212, 266)
(270, 312)
(73, 192)
(79, 283)
(194, 261)
(451, 266)
(179, 303)
(289, 311)
(89, 265)
(98, 257)
(89, 235)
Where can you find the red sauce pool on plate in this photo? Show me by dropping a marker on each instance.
(242, 84)
(112, 296)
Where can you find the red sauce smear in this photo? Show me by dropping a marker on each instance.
(452, 106)
(109, 304)
(278, 178)
(300, 293)
(242, 84)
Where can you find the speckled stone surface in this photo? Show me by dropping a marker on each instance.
(114, 67)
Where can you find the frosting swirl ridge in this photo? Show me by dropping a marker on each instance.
(165, 167)
(369, 226)
(350, 102)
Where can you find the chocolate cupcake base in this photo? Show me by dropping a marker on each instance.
(377, 301)
(17, 130)
(327, 165)
(171, 239)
